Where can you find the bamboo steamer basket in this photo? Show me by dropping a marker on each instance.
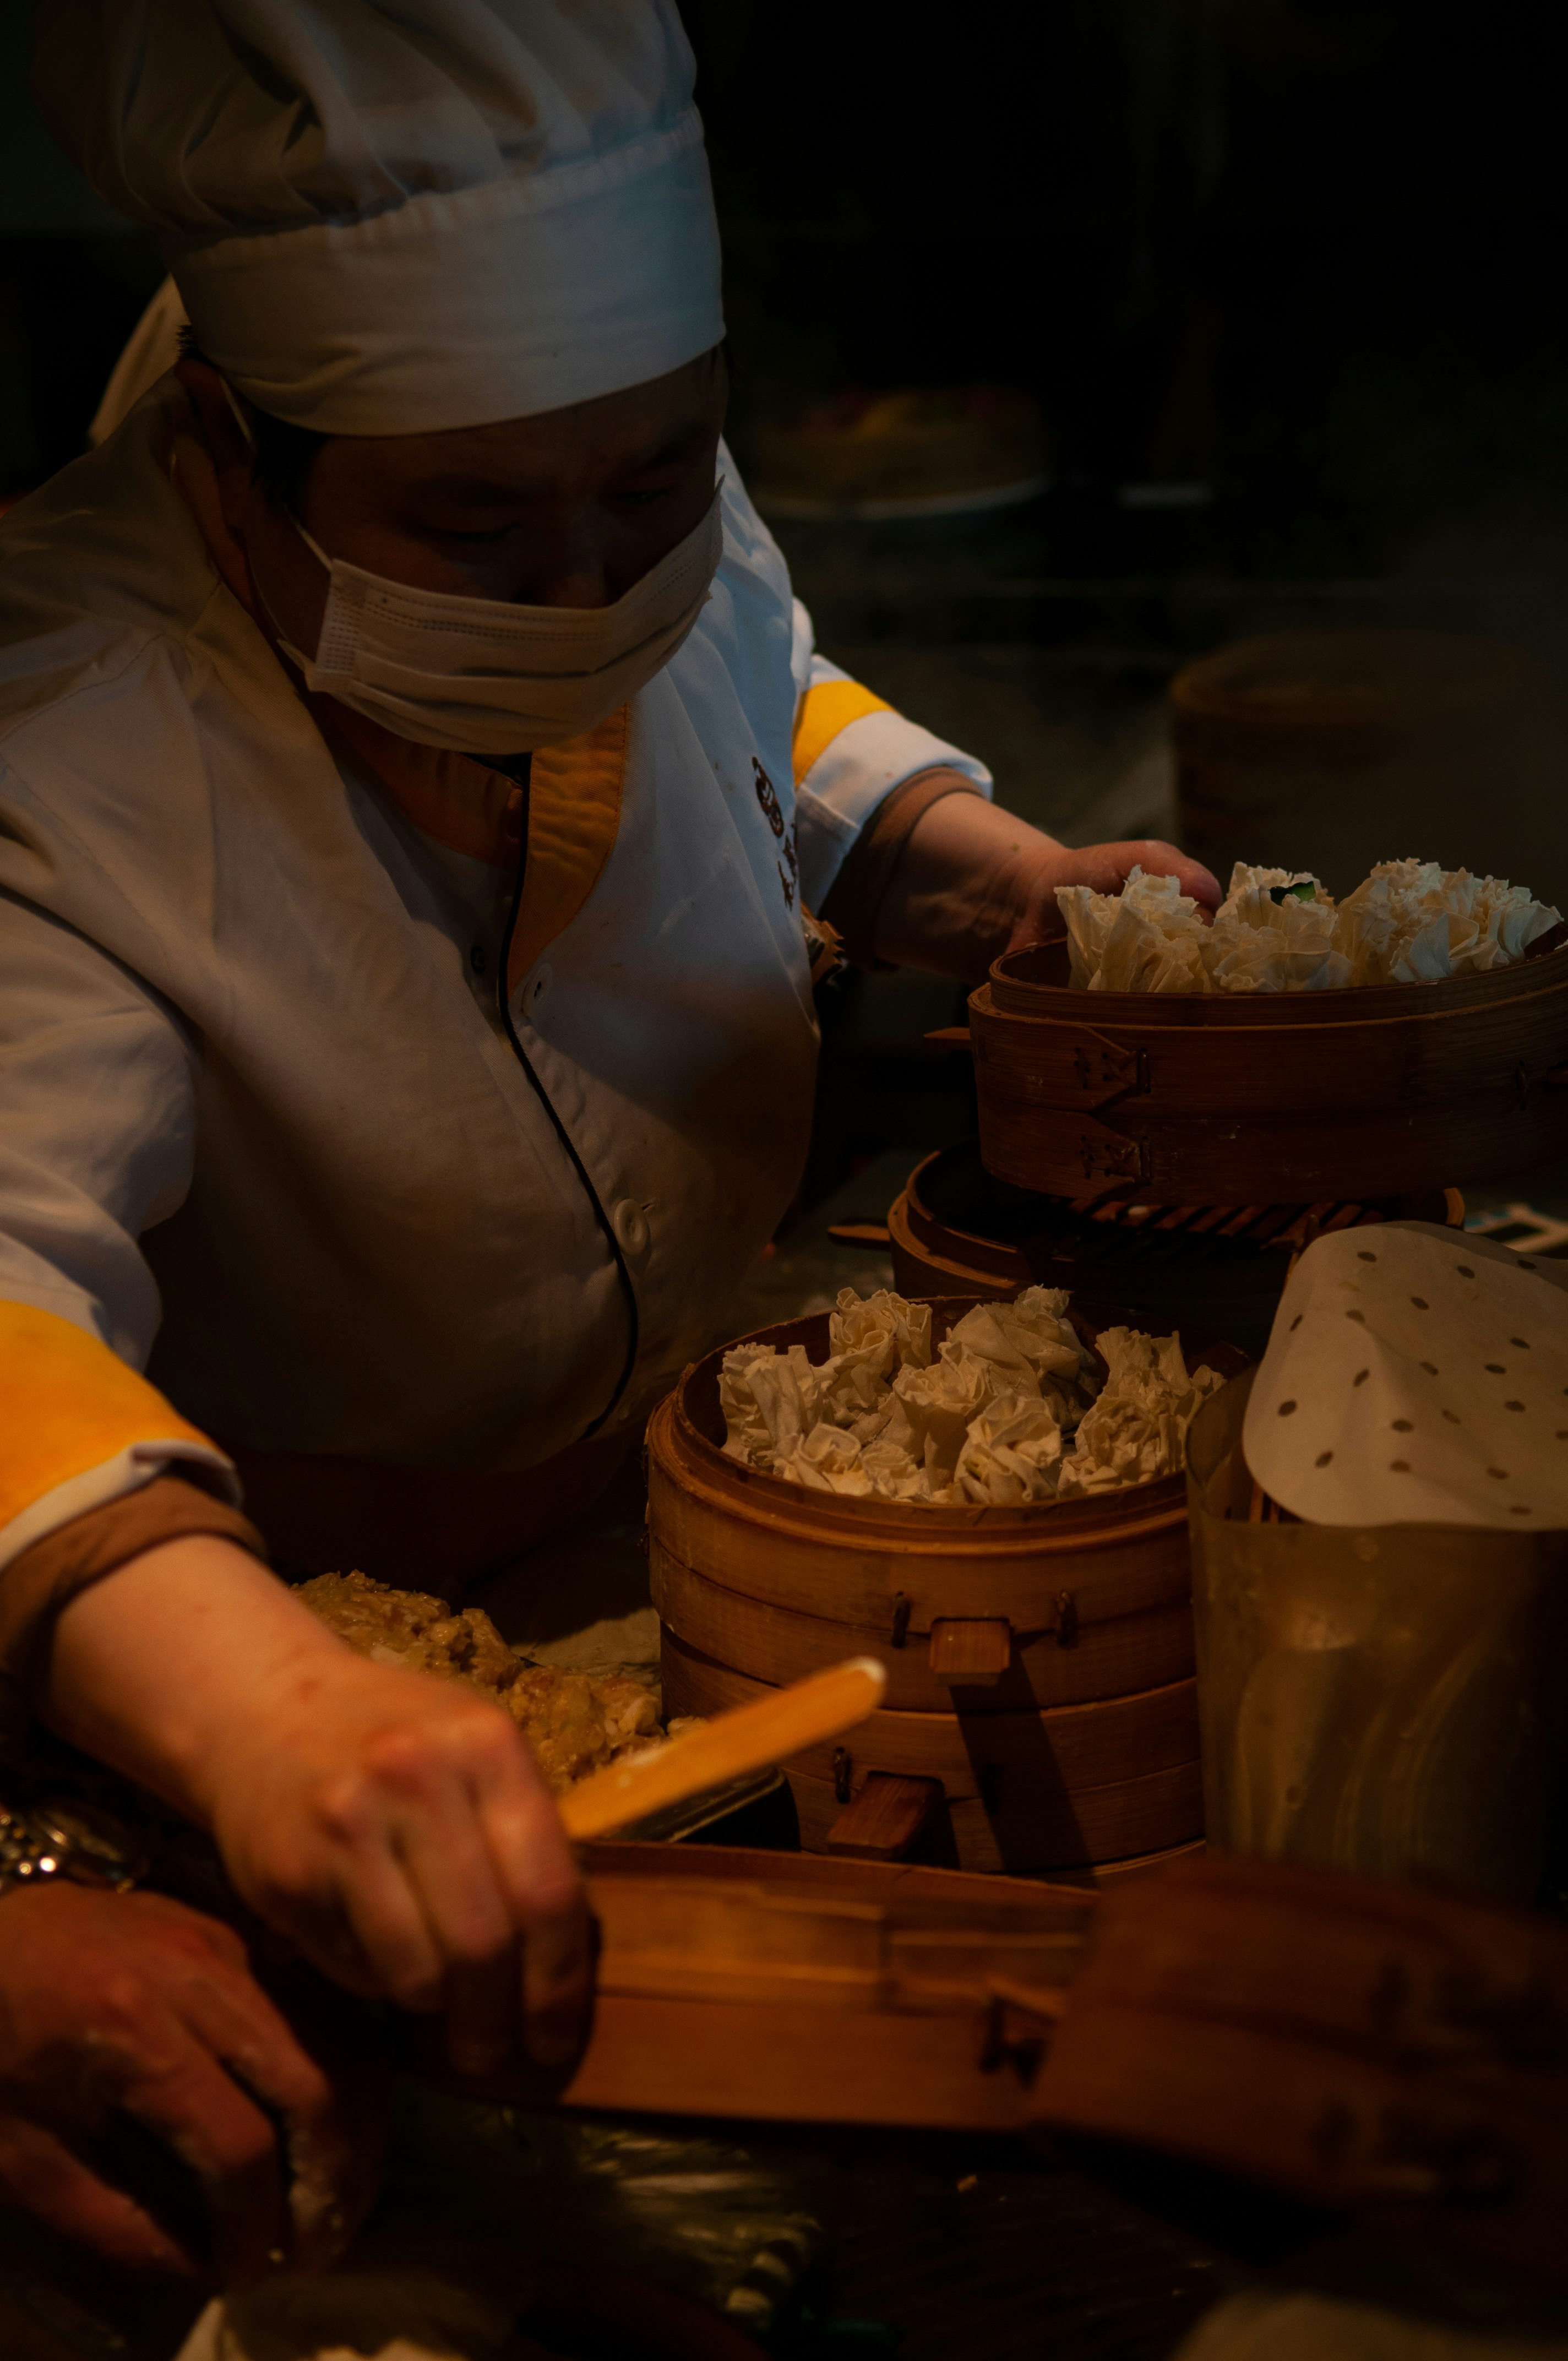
(754, 1984)
(1351, 2042)
(1025, 1790)
(955, 1228)
(1269, 1098)
(1078, 1745)
(1343, 748)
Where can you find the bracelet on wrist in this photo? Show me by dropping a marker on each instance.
(42, 1842)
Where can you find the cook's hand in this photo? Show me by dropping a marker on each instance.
(132, 2004)
(394, 1826)
(973, 882)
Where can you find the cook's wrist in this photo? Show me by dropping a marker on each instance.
(1027, 894)
(161, 1668)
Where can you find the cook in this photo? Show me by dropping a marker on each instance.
(416, 775)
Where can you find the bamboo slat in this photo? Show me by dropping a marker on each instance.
(910, 1894)
(777, 1643)
(1061, 1750)
(798, 2065)
(1024, 1832)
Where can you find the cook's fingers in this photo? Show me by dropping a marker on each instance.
(381, 1911)
(1157, 859)
(548, 1904)
(40, 2176)
(468, 1913)
(483, 2014)
(558, 1981)
(179, 2091)
(329, 2166)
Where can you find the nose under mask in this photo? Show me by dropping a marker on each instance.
(478, 676)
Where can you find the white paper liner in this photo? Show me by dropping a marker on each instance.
(1416, 1375)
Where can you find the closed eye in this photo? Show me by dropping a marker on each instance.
(641, 499)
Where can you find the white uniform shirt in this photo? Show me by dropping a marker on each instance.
(261, 1130)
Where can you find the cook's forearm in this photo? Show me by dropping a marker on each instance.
(150, 1666)
(967, 874)
(972, 882)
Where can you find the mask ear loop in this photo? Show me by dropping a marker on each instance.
(240, 420)
(300, 661)
(243, 422)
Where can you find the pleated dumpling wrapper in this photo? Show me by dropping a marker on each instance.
(989, 1419)
(1136, 1430)
(1279, 930)
(1416, 1375)
(1148, 937)
(1415, 922)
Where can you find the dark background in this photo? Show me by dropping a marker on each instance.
(1314, 252)
(1304, 260)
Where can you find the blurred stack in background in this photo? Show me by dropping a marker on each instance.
(1265, 273)
(1076, 345)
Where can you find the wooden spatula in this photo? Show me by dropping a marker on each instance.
(808, 1711)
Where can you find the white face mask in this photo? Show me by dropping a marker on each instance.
(482, 677)
(478, 676)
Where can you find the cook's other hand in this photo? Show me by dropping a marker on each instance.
(973, 882)
(129, 2006)
(394, 1826)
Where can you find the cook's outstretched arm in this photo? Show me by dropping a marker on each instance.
(395, 1826)
(972, 881)
(902, 849)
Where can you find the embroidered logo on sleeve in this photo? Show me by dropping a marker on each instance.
(767, 795)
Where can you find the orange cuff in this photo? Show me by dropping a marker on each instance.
(79, 1427)
(45, 1579)
(823, 712)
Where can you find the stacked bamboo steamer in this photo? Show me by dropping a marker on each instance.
(1270, 1098)
(955, 1228)
(1040, 1660)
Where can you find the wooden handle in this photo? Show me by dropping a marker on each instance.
(950, 1037)
(885, 1817)
(971, 1651)
(775, 1728)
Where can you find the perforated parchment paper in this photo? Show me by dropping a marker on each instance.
(1416, 1375)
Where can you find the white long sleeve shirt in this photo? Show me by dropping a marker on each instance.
(262, 1132)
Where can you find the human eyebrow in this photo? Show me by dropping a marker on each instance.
(681, 444)
(490, 492)
(482, 491)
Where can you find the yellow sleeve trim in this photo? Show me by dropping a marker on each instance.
(574, 818)
(824, 711)
(66, 1405)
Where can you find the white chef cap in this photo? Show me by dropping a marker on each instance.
(390, 216)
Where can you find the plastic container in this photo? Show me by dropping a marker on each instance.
(1387, 1699)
